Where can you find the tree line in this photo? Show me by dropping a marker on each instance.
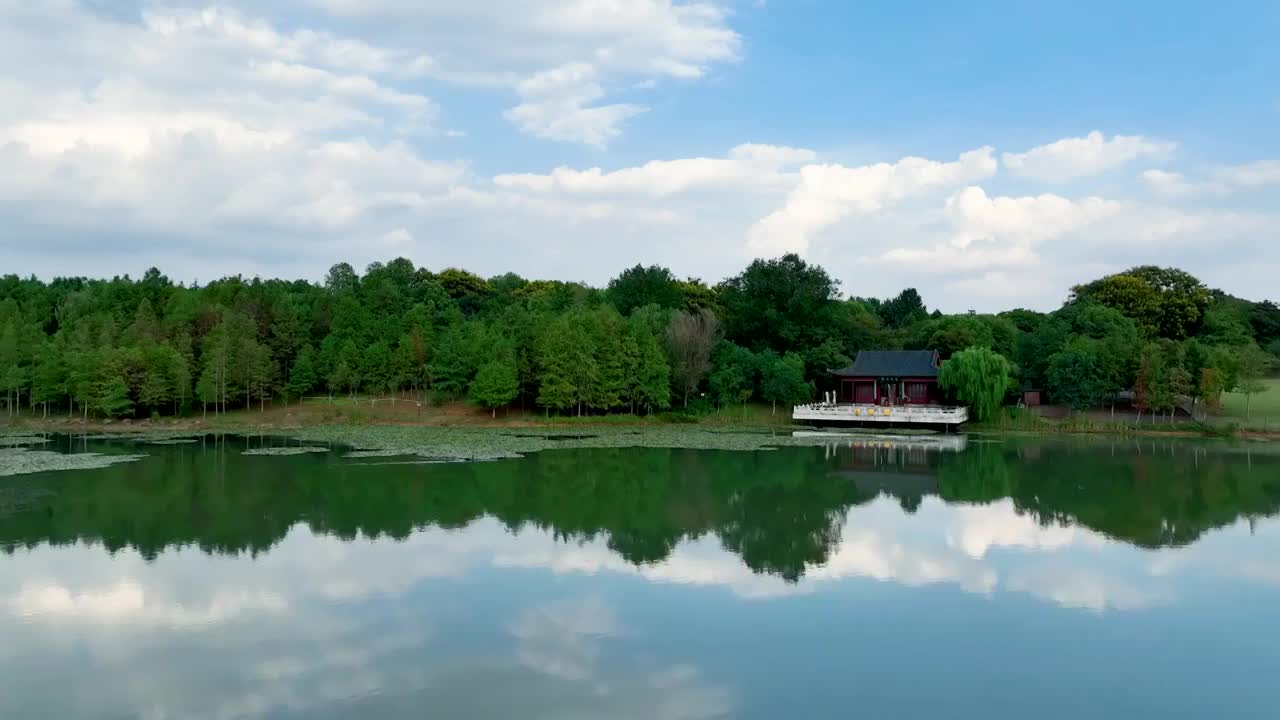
(645, 343)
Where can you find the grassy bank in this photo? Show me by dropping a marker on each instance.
(404, 412)
(1020, 421)
(1262, 412)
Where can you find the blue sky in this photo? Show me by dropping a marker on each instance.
(991, 156)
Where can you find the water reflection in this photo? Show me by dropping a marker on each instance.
(782, 512)
(318, 627)
(608, 583)
(911, 510)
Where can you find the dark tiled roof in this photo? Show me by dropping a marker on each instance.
(892, 363)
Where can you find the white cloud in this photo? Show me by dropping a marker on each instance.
(651, 37)
(308, 627)
(1078, 587)
(561, 639)
(1000, 232)
(1222, 180)
(557, 105)
(772, 156)
(979, 218)
(317, 620)
(995, 252)
(1072, 158)
(257, 140)
(128, 602)
(561, 56)
(1249, 175)
(746, 165)
(829, 193)
(1167, 183)
(876, 543)
(978, 529)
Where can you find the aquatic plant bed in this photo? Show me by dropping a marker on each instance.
(20, 461)
(494, 444)
(21, 440)
(285, 451)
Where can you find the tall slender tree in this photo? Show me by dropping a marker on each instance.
(690, 339)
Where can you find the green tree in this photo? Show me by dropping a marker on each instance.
(179, 369)
(564, 362)
(49, 379)
(979, 377)
(346, 371)
(1132, 296)
(1252, 365)
(783, 305)
(1103, 334)
(696, 296)
(303, 377)
(1210, 387)
(1145, 385)
(1153, 388)
(1180, 383)
(734, 377)
(1026, 321)
(1078, 374)
(216, 362)
(82, 368)
(289, 332)
(208, 389)
(903, 310)
(649, 386)
(1225, 362)
(604, 333)
(1165, 302)
(260, 374)
(1264, 320)
(1224, 325)
(639, 286)
(13, 370)
(495, 384)
(146, 328)
(341, 278)
(468, 290)
(950, 334)
(377, 368)
(782, 381)
(111, 390)
(159, 382)
(458, 356)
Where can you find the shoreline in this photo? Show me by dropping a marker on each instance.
(240, 423)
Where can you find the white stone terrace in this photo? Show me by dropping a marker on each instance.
(880, 414)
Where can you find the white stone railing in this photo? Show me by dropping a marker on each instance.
(885, 414)
(835, 438)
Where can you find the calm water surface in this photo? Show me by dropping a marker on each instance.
(1045, 579)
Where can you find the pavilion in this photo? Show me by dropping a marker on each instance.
(891, 377)
(886, 387)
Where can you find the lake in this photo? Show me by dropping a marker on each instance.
(859, 577)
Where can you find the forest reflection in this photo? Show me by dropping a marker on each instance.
(782, 512)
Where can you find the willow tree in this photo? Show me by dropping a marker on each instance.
(979, 376)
